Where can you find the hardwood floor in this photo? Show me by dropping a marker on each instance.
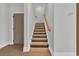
(16, 50)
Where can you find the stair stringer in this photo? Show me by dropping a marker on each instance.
(47, 33)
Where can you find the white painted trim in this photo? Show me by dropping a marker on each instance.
(64, 54)
(32, 31)
(75, 31)
(12, 37)
(4, 44)
(26, 49)
(51, 51)
(11, 43)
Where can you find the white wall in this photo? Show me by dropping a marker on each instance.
(39, 14)
(50, 19)
(6, 21)
(17, 7)
(14, 8)
(65, 29)
(28, 26)
(4, 24)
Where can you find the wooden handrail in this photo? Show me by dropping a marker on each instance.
(49, 29)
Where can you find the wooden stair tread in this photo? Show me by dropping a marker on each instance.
(38, 49)
(39, 43)
(39, 26)
(39, 29)
(39, 35)
(39, 23)
(39, 40)
(39, 32)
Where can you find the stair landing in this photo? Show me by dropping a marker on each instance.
(39, 52)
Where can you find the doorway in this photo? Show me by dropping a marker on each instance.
(18, 28)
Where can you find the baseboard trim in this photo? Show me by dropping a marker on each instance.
(3, 44)
(51, 51)
(64, 54)
(26, 49)
(11, 43)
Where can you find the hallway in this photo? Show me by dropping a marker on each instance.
(56, 35)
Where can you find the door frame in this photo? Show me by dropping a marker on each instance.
(12, 40)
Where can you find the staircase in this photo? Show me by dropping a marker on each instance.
(39, 36)
(39, 44)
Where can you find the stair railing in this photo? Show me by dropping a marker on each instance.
(48, 27)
